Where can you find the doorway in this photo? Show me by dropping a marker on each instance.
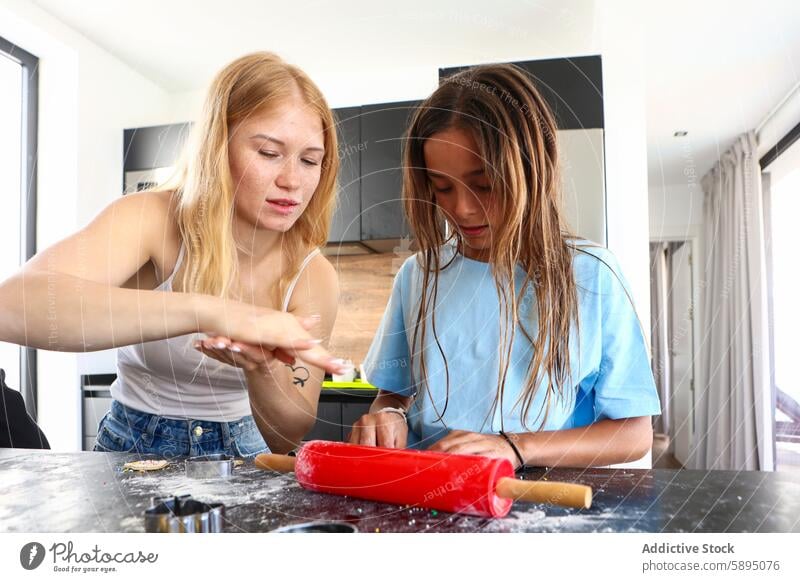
(672, 298)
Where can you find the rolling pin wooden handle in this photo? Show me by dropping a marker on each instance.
(280, 463)
(552, 492)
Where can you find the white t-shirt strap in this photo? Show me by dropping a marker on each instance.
(293, 284)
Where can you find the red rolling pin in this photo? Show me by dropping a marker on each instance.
(468, 484)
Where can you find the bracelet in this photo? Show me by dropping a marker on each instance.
(514, 448)
(399, 411)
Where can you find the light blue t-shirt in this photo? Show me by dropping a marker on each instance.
(610, 367)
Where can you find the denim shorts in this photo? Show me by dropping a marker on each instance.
(127, 430)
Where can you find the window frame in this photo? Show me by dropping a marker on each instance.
(28, 195)
(784, 149)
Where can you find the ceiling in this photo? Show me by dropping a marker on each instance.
(714, 68)
(180, 44)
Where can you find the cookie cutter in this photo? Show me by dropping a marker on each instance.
(209, 467)
(318, 527)
(183, 514)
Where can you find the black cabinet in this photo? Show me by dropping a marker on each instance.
(346, 224)
(383, 129)
(572, 87)
(146, 148)
(351, 412)
(150, 153)
(329, 423)
(337, 411)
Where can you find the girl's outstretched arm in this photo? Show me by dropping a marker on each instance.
(604, 442)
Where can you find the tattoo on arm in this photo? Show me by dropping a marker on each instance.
(300, 375)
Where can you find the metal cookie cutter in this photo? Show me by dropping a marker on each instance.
(209, 467)
(318, 527)
(182, 514)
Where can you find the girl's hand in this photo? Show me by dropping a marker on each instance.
(248, 357)
(382, 429)
(462, 442)
(269, 334)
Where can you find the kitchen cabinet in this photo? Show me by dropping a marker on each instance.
(337, 411)
(159, 146)
(383, 128)
(583, 182)
(351, 412)
(150, 154)
(329, 423)
(96, 402)
(572, 88)
(346, 224)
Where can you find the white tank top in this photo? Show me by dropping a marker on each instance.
(170, 378)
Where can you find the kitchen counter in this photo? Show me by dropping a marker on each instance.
(43, 491)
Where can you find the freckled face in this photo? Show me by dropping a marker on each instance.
(462, 189)
(276, 159)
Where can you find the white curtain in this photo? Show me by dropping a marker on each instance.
(734, 415)
(659, 326)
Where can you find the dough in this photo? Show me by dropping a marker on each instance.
(145, 465)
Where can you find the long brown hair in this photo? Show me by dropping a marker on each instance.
(247, 86)
(516, 134)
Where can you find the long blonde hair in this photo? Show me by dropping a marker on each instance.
(204, 186)
(516, 135)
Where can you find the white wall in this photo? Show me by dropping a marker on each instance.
(621, 38)
(341, 89)
(676, 210)
(86, 98)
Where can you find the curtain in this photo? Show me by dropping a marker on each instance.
(734, 415)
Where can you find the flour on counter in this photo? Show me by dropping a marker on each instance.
(228, 491)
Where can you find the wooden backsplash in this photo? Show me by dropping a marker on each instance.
(365, 284)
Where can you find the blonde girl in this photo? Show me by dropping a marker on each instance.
(212, 287)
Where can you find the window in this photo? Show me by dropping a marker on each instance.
(18, 126)
(782, 198)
